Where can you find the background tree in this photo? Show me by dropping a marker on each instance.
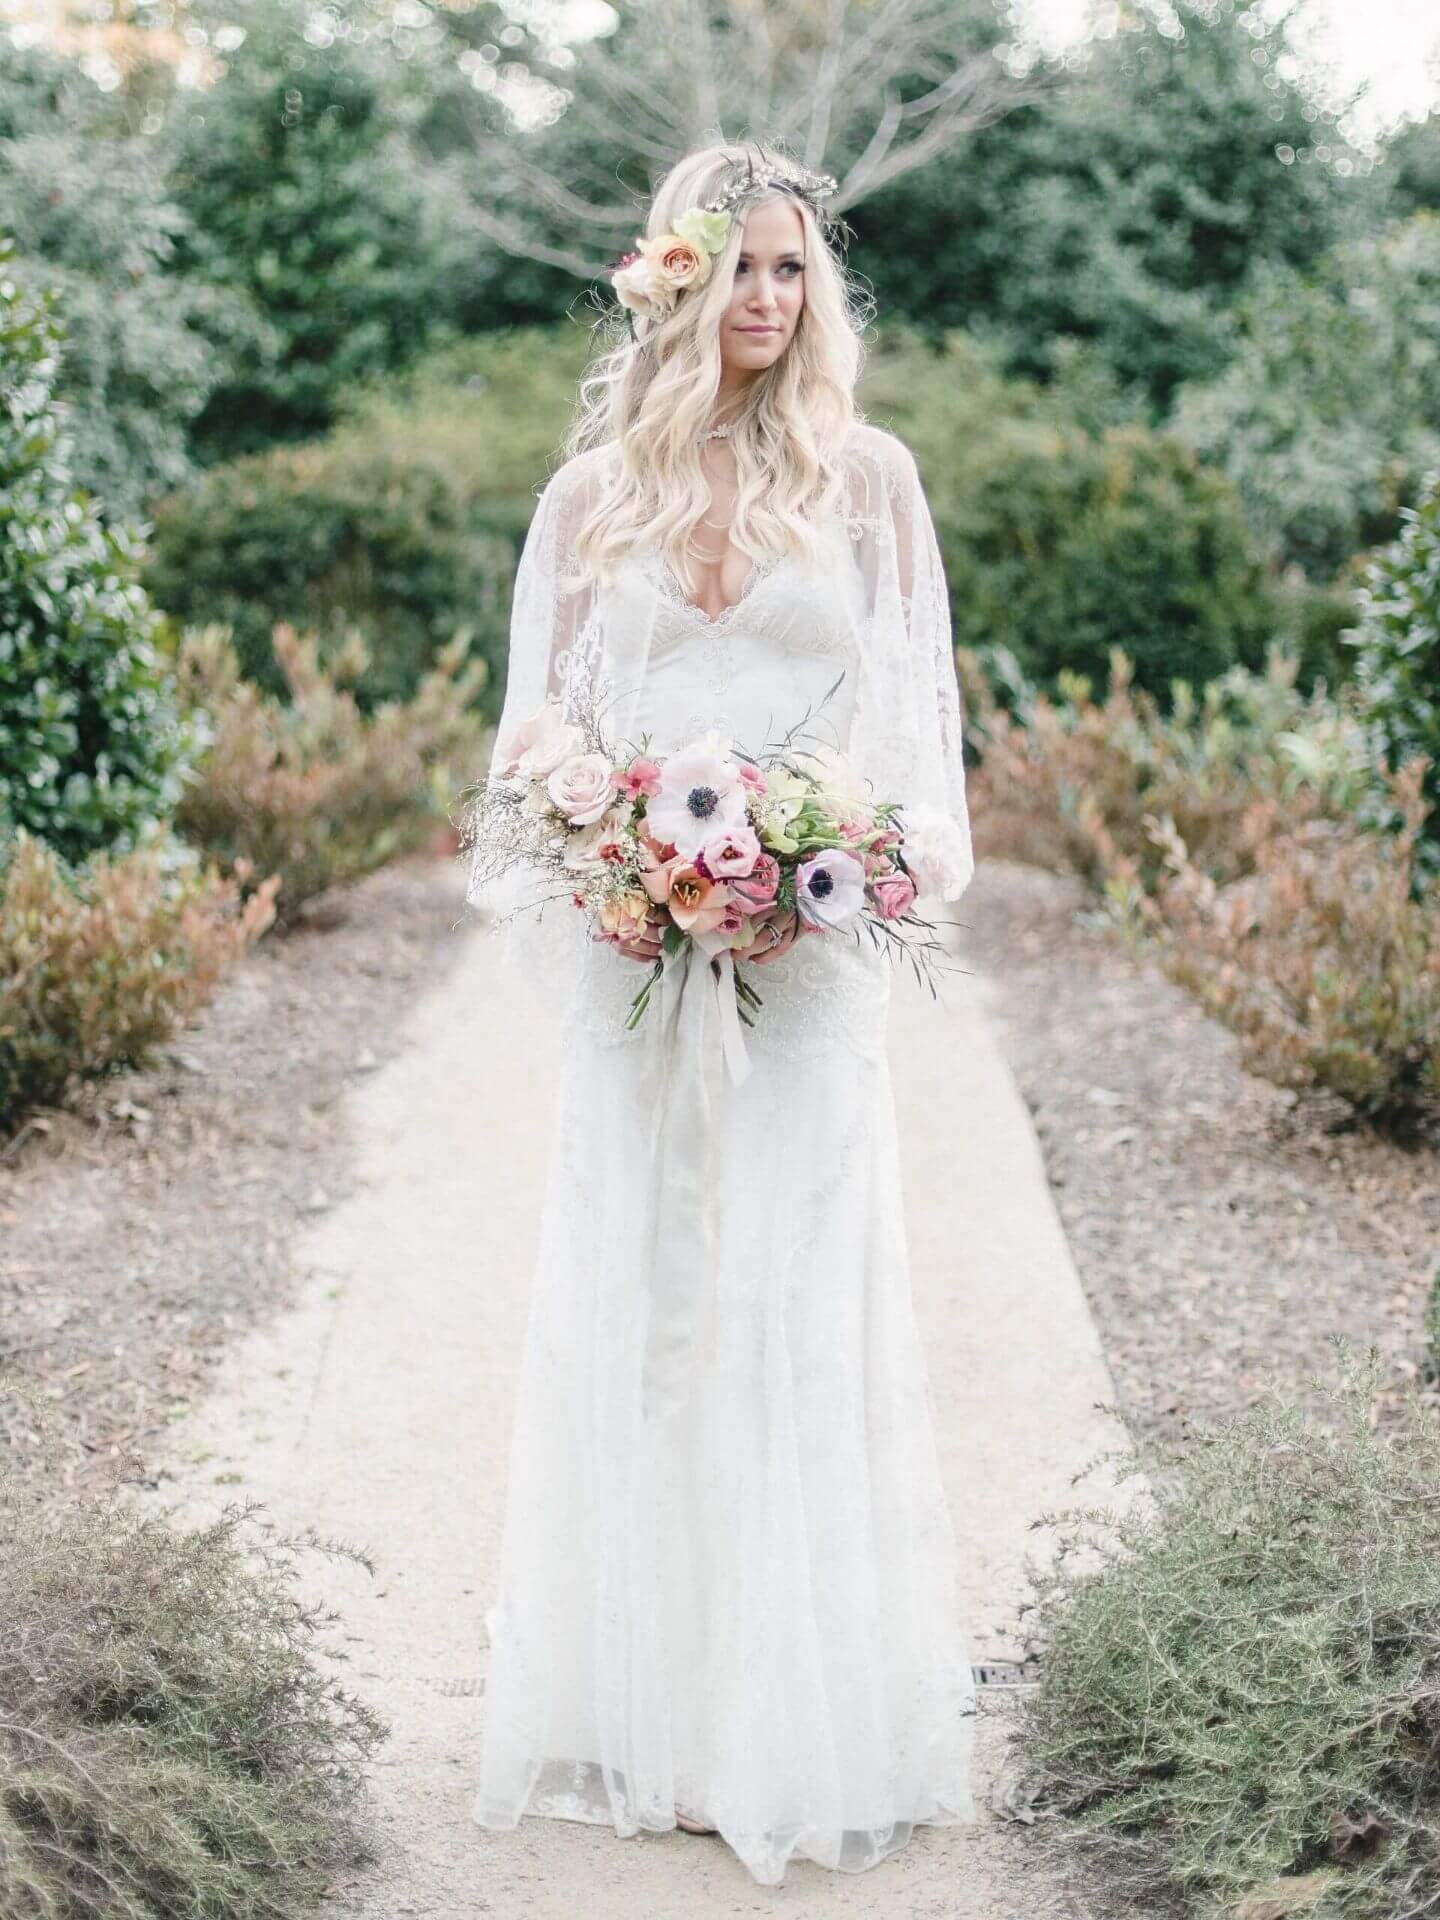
(303, 189)
(1129, 208)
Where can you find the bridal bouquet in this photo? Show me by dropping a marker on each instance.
(738, 854)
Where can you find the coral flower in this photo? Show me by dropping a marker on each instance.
(697, 905)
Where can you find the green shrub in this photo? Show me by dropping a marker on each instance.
(99, 965)
(1061, 543)
(91, 749)
(171, 1742)
(338, 538)
(1086, 543)
(1397, 649)
(1239, 1693)
(405, 524)
(312, 792)
(1328, 415)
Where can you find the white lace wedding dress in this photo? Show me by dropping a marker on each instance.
(746, 1608)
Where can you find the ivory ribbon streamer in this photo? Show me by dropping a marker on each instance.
(683, 1162)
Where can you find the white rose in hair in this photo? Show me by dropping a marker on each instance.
(936, 851)
(582, 788)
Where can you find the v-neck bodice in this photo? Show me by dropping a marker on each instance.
(765, 661)
(671, 584)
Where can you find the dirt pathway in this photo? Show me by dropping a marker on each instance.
(378, 1409)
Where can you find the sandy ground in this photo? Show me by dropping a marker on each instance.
(378, 1407)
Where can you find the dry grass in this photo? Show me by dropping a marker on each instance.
(171, 1741)
(1240, 1703)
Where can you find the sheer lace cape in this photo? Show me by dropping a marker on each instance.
(906, 731)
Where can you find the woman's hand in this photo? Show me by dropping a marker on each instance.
(645, 946)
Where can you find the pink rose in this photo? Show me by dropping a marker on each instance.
(753, 778)
(625, 916)
(641, 776)
(536, 745)
(756, 890)
(581, 788)
(729, 856)
(894, 895)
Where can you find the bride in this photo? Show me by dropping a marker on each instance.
(727, 1584)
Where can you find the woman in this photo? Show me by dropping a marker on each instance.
(727, 1580)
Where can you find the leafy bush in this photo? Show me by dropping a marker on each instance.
(1083, 544)
(1326, 962)
(170, 1741)
(86, 198)
(341, 540)
(1329, 412)
(313, 791)
(1061, 543)
(91, 749)
(405, 524)
(1397, 648)
(1071, 782)
(97, 966)
(306, 192)
(1239, 1693)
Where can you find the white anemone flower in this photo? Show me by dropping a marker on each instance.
(830, 889)
(701, 795)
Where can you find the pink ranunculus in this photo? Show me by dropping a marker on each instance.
(581, 788)
(641, 776)
(729, 856)
(753, 777)
(756, 890)
(697, 905)
(773, 936)
(894, 895)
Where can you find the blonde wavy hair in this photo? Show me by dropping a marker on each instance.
(652, 395)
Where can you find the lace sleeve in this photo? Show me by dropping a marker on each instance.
(910, 666)
(550, 618)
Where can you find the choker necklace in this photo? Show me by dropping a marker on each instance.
(717, 433)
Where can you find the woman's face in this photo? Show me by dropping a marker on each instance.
(768, 290)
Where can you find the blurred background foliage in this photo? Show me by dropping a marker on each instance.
(1165, 340)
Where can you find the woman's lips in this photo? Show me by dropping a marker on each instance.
(757, 329)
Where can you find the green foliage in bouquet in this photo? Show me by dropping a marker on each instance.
(91, 746)
(1397, 647)
(1238, 1710)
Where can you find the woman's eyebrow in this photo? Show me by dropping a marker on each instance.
(791, 255)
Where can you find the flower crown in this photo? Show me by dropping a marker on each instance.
(650, 280)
